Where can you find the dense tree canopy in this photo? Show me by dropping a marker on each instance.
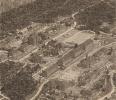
(21, 86)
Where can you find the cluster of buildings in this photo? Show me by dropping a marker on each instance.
(72, 47)
(42, 54)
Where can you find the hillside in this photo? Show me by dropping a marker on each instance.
(40, 11)
(6, 5)
(96, 15)
(43, 11)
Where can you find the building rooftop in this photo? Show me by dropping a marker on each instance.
(78, 37)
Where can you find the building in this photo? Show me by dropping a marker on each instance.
(84, 42)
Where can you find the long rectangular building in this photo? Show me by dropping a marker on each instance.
(84, 43)
(78, 37)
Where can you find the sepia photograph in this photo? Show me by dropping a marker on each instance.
(57, 49)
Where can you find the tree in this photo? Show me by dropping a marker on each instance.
(36, 58)
(86, 93)
(19, 87)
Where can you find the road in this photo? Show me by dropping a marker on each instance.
(33, 98)
(55, 38)
(69, 65)
(35, 50)
(74, 62)
(113, 87)
(27, 56)
(39, 90)
(74, 25)
(100, 70)
(3, 97)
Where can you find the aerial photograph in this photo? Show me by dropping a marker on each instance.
(57, 49)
